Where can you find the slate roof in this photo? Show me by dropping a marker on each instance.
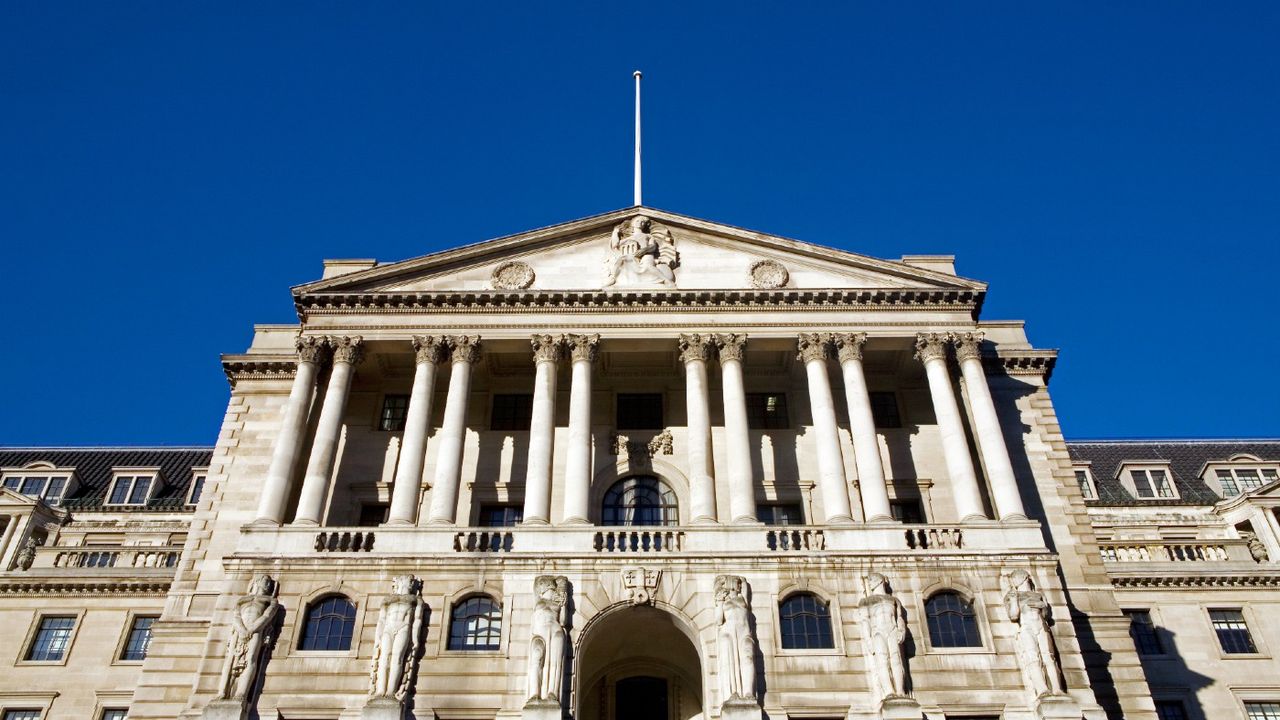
(93, 468)
(1186, 458)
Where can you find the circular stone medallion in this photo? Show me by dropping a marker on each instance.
(512, 275)
(767, 274)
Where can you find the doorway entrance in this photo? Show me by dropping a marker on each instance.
(638, 663)
(640, 698)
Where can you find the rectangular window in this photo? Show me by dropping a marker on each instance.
(1143, 631)
(1233, 632)
(639, 411)
(767, 411)
(496, 515)
(197, 489)
(394, 410)
(511, 412)
(13, 482)
(1086, 487)
(884, 409)
(21, 715)
(115, 714)
(52, 638)
(1152, 483)
(51, 488)
(373, 514)
(135, 647)
(130, 490)
(780, 514)
(1171, 710)
(907, 511)
(1262, 710)
(1235, 481)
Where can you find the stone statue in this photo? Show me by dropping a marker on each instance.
(735, 645)
(884, 629)
(547, 639)
(251, 635)
(26, 554)
(1034, 643)
(649, 253)
(1257, 550)
(397, 639)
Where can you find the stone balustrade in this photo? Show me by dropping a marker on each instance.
(1175, 551)
(108, 556)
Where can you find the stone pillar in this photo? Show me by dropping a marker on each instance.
(813, 350)
(347, 352)
(986, 424)
(407, 488)
(737, 433)
(695, 350)
(464, 350)
(288, 447)
(577, 468)
(10, 526)
(547, 350)
(862, 425)
(931, 349)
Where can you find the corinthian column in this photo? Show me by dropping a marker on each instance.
(931, 349)
(347, 352)
(407, 488)
(995, 454)
(814, 348)
(737, 434)
(862, 425)
(695, 350)
(288, 447)
(577, 467)
(464, 351)
(547, 350)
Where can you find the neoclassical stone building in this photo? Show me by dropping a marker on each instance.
(640, 465)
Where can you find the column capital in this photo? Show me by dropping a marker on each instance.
(547, 348)
(464, 348)
(968, 345)
(731, 346)
(696, 347)
(813, 346)
(429, 348)
(582, 347)
(931, 346)
(347, 349)
(311, 349)
(849, 345)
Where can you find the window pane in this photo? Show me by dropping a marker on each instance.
(805, 622)
(21, 715)
(907, 511)
(780, 514)
(1233, 633)
(329, 625)
(135, 648)
(640, 500)
(1143, 631)
(1268, 476)
(767, 411)
(53, 493)
(501, 515)
(394, 410)
(50, 642)
(33, 486)
(120, 491)
(373, 514)
(1262, 710)
(640, 412)
(1170, 710)
(476, 625)
(951, 621)
(884, 410)
(114, 714)
(1228, 483)
(197, 489)
(1249, 479)
(1161, 481)
(141, 486)
(1142, 483)
(13, 483)
(1082, 479)
(511, 413)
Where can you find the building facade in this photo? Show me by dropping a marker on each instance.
(636, 466)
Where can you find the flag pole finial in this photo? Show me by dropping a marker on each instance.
(637, 202)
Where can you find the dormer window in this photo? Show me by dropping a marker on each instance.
(1237, 479)
(1149, 482)
(1085, 480)
(51, 487)
(131, 489)
(197, 488)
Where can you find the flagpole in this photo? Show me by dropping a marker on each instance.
(637, 180)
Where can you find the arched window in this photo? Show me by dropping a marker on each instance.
(329, 624)
(640, 500)
(952, 622)
(806, 623)
(476, 624)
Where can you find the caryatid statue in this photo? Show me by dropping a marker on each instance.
(1034, 643)
(884, 629)
(547, 638)
(397, 639)
(251, 635)
(735, 645)
(649, 252)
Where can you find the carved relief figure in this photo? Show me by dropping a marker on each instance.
(547, 638)
(648, 252)
(884, 629)
(1036, 656)
(397, 639)
(735, 646)
(252, 624)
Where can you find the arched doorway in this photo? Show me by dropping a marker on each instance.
(638, 663)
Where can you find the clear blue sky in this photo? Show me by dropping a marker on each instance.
(169, 170)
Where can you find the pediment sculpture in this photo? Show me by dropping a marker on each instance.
(641, 254)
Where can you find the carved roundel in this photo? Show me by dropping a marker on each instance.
(512, 275)
(767, 274)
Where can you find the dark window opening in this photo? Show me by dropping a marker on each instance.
(511, 412)
(884, 409)
(780, 513)
(395, 408)
(1233, 632)
(640, 412)
(952, 622)
(1143, 631)
(476, 625)
(329, 625)
(767, 411)
(497, 515)
(373, 514)
(135, 648)
(805, 623)
(640, 500)
(52, 638)
(909, 511)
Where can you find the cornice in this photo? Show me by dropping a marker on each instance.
(107, 586)
(1222, 580)
(1024, 362)
(281, 366)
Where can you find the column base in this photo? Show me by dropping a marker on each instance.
(747, 520)
(225, 710)
(394, 522)
(975, 518)
(741, 709)
(575, 521)
(900, 707)
(540, 522)
(840, 520)
(1058, 707)
(542, 710)
(440, 522)
(265, 522)
(305, 523)
(1014, 517)
(882, 519)
(704, 520)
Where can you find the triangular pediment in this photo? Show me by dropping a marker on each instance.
(616, 251)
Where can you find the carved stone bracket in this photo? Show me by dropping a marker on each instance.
(641, 583)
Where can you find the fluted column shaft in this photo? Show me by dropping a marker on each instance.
(995, 454)
(737, 432)
(695, 350)
(464, 350)
(324, 448)
(537, 483)
(577, 469)
(288, 447)
(814, 349)
(931, 349)
(862, 425)
(407, 488)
